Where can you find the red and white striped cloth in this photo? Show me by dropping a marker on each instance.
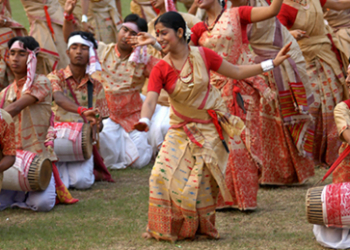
(336, 205)
(70, 130)
(23, 161)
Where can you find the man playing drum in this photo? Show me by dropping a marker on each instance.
(7, 142)
(88, 92)
(339, 238)
(124, 70)
(28, 100)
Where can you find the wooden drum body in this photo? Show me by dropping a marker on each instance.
(329, 205)
(73, 142)
(29, 173)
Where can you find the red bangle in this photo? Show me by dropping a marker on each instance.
(69, 17)
(81, 110)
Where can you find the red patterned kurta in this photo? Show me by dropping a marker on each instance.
(122, 81)
(32, 123)
(7, 134)
(7, 137)
(60, 79)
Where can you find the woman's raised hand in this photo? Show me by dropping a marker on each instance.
(282, 55)
(142, 38)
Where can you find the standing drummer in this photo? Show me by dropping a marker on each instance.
(7, 142)
(76, 77)
(28, 101)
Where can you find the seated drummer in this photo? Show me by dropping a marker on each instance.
(124, 72)
(76, 77)
(28, 100)
(338, 238)
(7, 142)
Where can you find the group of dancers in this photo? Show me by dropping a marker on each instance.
(223, 98)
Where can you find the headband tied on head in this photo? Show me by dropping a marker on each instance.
(136, 55)
(31, 63)
(94, 64)
(170, 6)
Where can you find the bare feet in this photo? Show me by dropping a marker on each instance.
(147, 236)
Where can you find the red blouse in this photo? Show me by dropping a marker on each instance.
(164, 76)
(245, 18)
(288, 14)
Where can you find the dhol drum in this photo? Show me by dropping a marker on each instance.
(73, 142)
(329, 205)
(29, 173)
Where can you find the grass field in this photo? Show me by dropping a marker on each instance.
(114, 215)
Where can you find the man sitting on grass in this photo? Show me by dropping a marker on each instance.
(72, 107)
(124, 70)
(28, 100)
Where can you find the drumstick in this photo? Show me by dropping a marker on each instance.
(335, 164)
(94, 128)
(98, 133)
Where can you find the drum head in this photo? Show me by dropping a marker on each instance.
(314, 211)
(39, 174)
(87, 141)
(45, 174)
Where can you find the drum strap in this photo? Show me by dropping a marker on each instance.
(90, 88)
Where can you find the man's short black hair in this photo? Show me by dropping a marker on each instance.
(28, 42)
(140, 22)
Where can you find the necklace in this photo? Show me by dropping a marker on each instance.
(211, 27)
(187, 79)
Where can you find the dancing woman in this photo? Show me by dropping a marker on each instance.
(188, 171)
(160, 120)
(266, 136)
(304, 19)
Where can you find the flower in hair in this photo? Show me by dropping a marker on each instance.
(188, 32)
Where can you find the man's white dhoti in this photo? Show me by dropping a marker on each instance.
(79, 174)
(42, 201)
(120, 149)
(336, 238)
(160, 124)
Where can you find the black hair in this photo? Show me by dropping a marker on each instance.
(86, 35)
(173, 20)
(140, 22)
(28, 42)
(222, 3)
